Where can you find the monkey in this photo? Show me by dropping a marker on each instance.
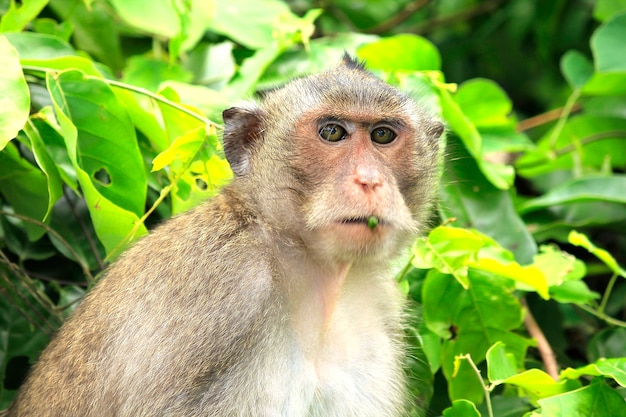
(277, 296)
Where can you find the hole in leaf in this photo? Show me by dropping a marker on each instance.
(201, 184)
(102, 176)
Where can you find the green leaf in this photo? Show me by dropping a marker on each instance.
(96, 29)
(460, 123)
(596, 400)
(608, 343)
(579, 239)
(15, 98)
(44, 160)
(20, 14)
(500, 363)
(449, 250)
(93, 123)
(473, 319)
(604, 189)
(612, 368)
(183, 149)
(575, 292)
(61, 63)
(540, 384)
(604, 9)
(461, 408)
(30, 45)
(484, 103)
(576, 68)
(475, 203)
(608, 44)
(529, 275)
(166, 20)
(401, 53)
(149, 73)
(246, 23)
(25, 188)
(252, 69)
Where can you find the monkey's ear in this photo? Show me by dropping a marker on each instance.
(241, 134)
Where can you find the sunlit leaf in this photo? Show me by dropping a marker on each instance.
(19, 14)
(612, 368)
(93, 123)
(579, 239)
(15, 98)
(500, 363)
(540, 384)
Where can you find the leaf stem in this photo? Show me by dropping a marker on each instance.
(607, 293)
(602, 316)
(567, 110)
(486, 389)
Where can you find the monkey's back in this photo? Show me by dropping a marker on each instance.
(100, 360)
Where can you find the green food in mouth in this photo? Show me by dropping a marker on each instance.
(372, 222)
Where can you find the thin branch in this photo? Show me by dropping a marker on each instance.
(545, 350)
(403, 15)
(467, 14)
(543, 118)
(572, 147)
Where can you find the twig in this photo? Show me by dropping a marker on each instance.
(469, 13)
(545, 350)
(403, 15)
(544, 118)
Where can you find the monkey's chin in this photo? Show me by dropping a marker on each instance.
(343, 241)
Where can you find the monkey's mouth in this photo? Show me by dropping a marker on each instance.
(369, 221)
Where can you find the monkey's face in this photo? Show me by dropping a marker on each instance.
(363, 182)
(340, 161)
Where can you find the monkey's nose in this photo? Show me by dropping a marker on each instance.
(368, 177)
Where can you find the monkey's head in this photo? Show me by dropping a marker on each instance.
(341, 161)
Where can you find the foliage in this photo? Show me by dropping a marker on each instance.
(109, 120)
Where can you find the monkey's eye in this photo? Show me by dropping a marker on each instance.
(383, 135)
(332, 133)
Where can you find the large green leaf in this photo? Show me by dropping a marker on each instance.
(15, 98)
(102, 146)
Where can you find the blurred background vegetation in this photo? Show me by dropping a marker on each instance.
(109, 123)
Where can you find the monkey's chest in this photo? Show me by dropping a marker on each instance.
(350, 370)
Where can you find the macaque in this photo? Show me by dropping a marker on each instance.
(276, 297)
